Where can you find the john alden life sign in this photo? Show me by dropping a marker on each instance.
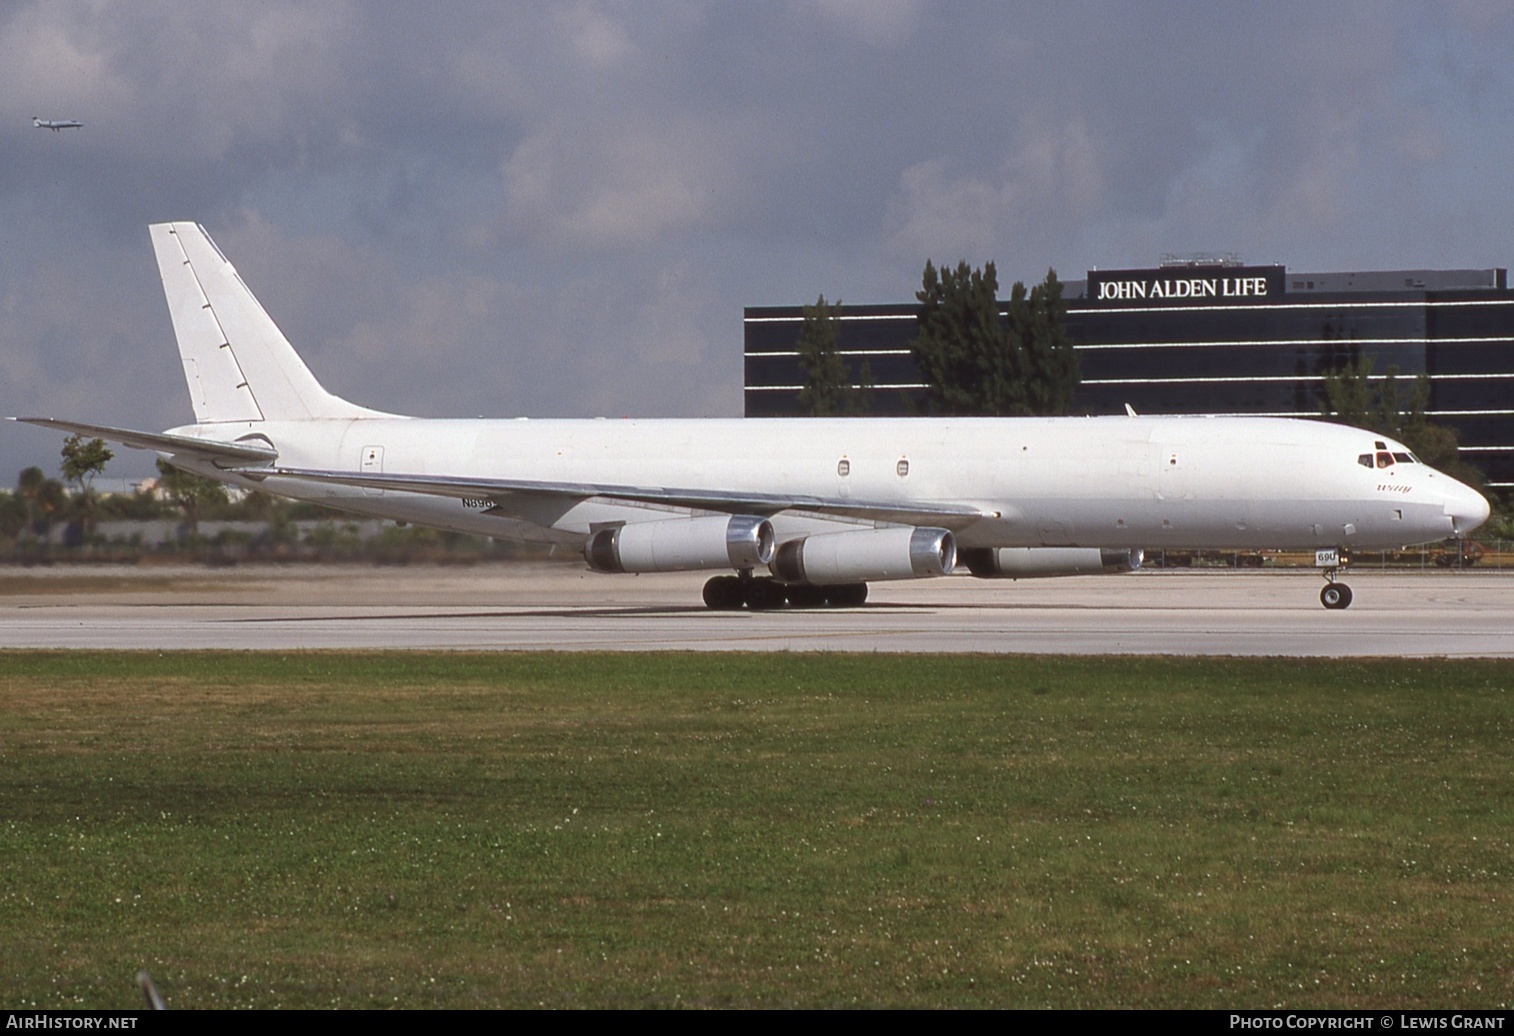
(1187, 285)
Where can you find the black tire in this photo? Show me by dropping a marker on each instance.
(846, 595)
(1335, 596)
(806, 595)
(724, 594)
(765, 594)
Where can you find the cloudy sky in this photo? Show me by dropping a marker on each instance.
(560, 209)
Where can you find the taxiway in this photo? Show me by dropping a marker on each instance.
(544, 606)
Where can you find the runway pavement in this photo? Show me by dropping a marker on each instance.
(561, 607)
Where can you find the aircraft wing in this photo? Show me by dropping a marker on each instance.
(224, 454)
(500, 492)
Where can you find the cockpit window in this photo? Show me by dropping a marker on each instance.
(1365, 460)
(1403, 458)
(1384, 459)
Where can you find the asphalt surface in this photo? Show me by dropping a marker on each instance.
(561, 607)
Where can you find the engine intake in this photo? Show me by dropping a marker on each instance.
(682, 545)
(873, 554)
(1036, 562)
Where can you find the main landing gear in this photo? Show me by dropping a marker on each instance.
(1335, 595)
(764, 593)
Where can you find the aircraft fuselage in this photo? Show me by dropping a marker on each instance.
(1117, 482)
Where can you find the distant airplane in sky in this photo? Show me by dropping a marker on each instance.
(804, 512)
(56, 124)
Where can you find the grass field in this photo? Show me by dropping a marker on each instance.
(420, 830)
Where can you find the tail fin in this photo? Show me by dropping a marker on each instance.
(238, 364)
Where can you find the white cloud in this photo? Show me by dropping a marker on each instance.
(593, 36)
(881, 23)
(1052, 178)
(612, 186)
(45, 61)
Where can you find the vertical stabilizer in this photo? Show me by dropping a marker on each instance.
(237, 363)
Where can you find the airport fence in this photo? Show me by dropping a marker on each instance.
(1471, 555)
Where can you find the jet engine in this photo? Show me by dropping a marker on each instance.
(854, 557)
(682, 544)
(1034, 562)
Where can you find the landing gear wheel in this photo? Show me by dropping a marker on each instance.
(846, 595)
(724, 594)
(806, 595)
(1335, 596)
(765, 594)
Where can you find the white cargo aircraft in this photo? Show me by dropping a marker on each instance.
(823, 505)
(56, 124)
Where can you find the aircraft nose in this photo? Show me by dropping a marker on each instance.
(1466, 507)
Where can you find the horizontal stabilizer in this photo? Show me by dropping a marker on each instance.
(501, 490)
(223, 453)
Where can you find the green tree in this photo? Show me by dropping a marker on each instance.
(45, 499)
(961, 347)
(827, 389)
(83, 459)
(979, 362)
(12, 515)
(1050, 365)
(859, 402)
(52, 504)
(29, 489)
(1348, 397)
(189, 492)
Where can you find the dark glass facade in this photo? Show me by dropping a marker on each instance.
(1217, 340)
